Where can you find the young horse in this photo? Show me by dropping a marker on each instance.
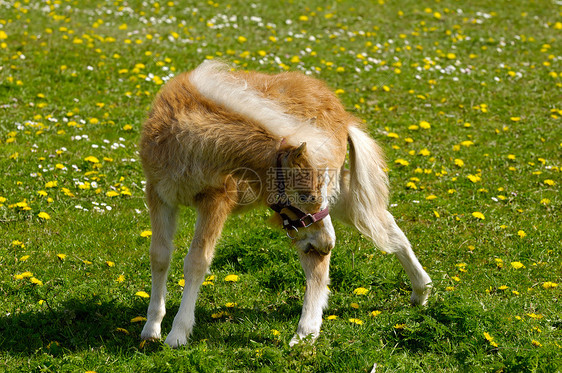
(215, 136)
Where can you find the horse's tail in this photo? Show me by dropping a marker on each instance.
(363, 198)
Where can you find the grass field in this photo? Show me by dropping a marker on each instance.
(464, 97)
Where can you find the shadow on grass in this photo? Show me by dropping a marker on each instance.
(85, 324)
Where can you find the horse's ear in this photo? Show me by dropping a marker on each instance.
(291, 156)
(296, 155)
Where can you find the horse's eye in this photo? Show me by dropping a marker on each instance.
(307, 198)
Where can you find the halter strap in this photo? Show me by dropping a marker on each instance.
(304, 220)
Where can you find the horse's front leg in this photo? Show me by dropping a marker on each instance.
(316, 268)
(163, 223)
(213, 209)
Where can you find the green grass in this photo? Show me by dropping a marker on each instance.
(495, 65)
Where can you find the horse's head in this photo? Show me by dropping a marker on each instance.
(302, 193)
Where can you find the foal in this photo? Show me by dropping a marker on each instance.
(221, 141)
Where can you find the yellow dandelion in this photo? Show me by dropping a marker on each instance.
(332, 317)
(142, 294)
(92, 159)
(521, 233)
(61, 256)
(549, 285)
(356, 321)
(425, 125)
(360, 291)
(375, 313)
(138, 319)
(146, 233)
(231, 278)
(110, 263)
(401, 162)
(535, 315)
(478, 215)
(44, 215)
(122, 330)
(517, 265)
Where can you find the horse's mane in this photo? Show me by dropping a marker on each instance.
(215, 81)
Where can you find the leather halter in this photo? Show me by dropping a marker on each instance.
(304, 220)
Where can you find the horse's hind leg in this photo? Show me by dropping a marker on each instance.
(213, 209)
(316, 269)
(399, 244)
(163, 223)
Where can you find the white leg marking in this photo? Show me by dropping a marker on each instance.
(421, 282)
(163, 221)
(316, 269)
(210, 219)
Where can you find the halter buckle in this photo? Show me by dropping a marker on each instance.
(291, 228)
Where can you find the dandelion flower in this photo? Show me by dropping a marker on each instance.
(231, 278)
(375, 313)
(549, 285)
(521, 233)
(517, 265)
(146, 233)
(92, 159)
(138, 319)
(44, 215)
(478, 215)
(490, 339)
(142, 294)
(61, 256)
(332, 317)
(425, 125)
(356, 321)
(459, 162)
(360, 291)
